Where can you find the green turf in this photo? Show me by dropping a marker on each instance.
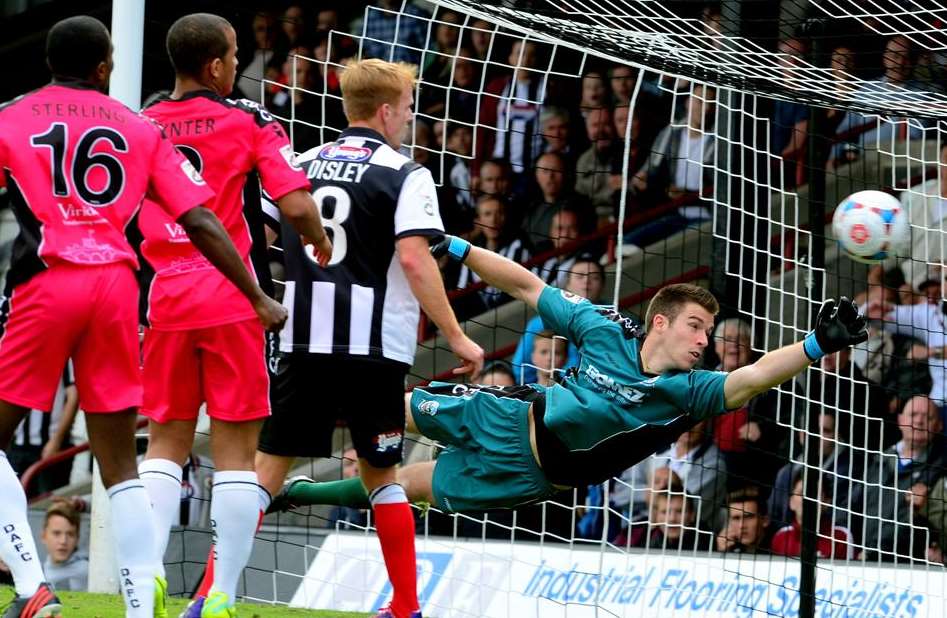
(86, 605)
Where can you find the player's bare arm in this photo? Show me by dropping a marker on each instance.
(425, 280)
(494, 269)
(209, 236)
(838, 326)
(300, 210)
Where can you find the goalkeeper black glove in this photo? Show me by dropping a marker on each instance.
(456, 248)
(837, 326)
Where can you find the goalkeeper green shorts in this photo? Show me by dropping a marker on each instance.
(487, 463)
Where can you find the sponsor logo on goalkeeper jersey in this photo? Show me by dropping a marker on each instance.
(611, 386)
(385, 442)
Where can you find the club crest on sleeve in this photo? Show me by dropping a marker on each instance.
(343, 152)
(188, 168)
(389, 441)
(429, 407)
(290, 157)
(575, 299)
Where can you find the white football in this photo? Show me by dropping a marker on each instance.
(870, 226)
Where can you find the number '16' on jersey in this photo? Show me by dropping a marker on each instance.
(361, 304)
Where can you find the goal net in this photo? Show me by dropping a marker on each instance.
(614, 148)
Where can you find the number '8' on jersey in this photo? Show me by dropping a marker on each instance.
(368, 196)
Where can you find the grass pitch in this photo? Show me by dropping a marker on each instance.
(87, 605)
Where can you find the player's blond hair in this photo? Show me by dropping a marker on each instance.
(368, 84)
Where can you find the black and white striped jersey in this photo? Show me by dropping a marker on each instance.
(361, 304)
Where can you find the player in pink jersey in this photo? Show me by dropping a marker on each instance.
(204, 343)
(77, 165)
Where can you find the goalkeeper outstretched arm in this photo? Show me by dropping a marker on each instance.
(838, 326)
(493, 268)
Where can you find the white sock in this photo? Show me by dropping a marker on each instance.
(265, 498)
(392, 493)
(134, 532)
(162, 481)
(17, 547)
(234, 512)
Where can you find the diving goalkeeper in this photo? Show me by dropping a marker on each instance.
(633, 393)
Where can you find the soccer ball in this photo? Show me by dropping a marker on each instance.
(870, 226)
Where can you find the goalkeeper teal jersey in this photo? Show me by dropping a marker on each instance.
(608, 414)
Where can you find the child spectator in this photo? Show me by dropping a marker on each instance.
(65, 567)
(549, 357)
(670, 524)
(586, 278)
(833, 541)
(497, 373)
(746, 523)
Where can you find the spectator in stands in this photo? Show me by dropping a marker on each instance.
(65, 567)
(293, 23)
(552, 180)
(509, 115)
(496, 373)
(856, 131)
(563, 231)
(928, 321)
(388, 19)
(267, 57)
(549, 356)
(493, 179)
(302, 103)
(745, 530)
(838, 463)
(457, 167)
(327, 24)
(422, 146)
(790, 120)
(895, 361)
(935, 513)
(897, 483)
(621, 77)
(924, 204)
(696, 460)
(462, 95)
(863, 414)
(678, 168)
(594, 166)
(41, 435)
(681, 156)
(555, 133)
(842, 63)
(345, 517)
(586, 278)
(749, 438)
(477, 36)
(833, 541)
(671, 523)
(490, 231)
(438, 61)
(595, 93)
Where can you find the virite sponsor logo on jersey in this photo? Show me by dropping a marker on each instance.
(79, 214)
(344, 152)
(613, 387)
(176, 233)
(389, 441)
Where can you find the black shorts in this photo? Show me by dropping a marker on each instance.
(310, 393)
